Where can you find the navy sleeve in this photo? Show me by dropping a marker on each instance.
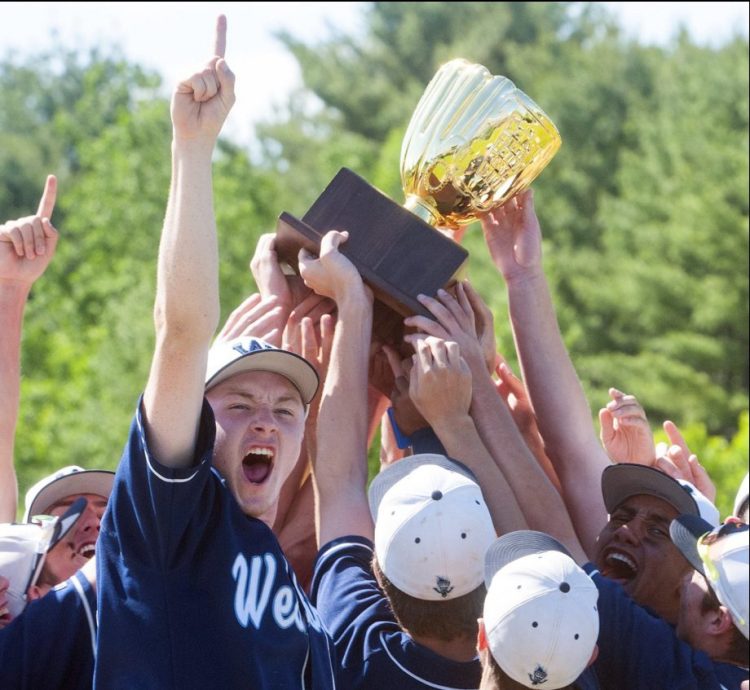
(347, 596)
(640, 650)
(157, 516)
(52, 643)
(425, 440)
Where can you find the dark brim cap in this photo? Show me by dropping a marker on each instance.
(621, 481)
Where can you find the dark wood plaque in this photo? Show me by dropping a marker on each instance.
(397, 254)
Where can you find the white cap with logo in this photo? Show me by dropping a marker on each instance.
(432, 527)
(540, 613)
(227, 358)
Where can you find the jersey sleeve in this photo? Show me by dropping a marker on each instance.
(52, 643)
(158, 516)
(347, 596)
(640, 650)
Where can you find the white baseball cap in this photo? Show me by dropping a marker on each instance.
(227, 358)
(67, 481)
(24, 546)
(540, 613)
(741, 499)
(623, 480)
(432, 527)
(720, 554)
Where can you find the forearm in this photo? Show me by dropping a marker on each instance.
(340, 463)
(186, 310)
(561, 408)
(462, 442)
(13, 298)
(542, 506)
(187, 296)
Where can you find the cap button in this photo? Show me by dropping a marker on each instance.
(437, 495)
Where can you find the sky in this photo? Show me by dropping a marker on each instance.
(172, 38)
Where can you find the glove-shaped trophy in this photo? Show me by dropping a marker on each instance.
(473, 142)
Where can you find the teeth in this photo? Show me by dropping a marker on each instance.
(262, 451)
(623, 559)
(87, 550)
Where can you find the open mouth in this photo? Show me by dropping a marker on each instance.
(87, 550)
(620, 567)
(257, 465)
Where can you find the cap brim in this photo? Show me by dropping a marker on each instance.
(514, 545)
(621, 481)
(64, 524)
(383, 481)
(96, 482)
(287, 364)
(685, 532)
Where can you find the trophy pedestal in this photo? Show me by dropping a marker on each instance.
(397, 254)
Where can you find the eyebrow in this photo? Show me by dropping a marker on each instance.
(249, 396)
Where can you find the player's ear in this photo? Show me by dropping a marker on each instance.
(481, 636)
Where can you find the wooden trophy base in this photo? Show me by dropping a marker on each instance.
(397, 254)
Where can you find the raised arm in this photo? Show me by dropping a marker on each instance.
(27, 245)
(533, 491)
(340, 461)
(514, 239)
(440, 385)
(186, 312)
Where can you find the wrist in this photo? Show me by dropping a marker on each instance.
(192, 147)
(525, 277)
(14, 290)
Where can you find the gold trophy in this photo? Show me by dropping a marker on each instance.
(473, 142)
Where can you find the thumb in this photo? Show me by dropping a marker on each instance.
(226, 82)
(606, 422)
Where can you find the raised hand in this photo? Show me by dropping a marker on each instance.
(625, 432)
(28, 244)
(270, 279)
(514, 238)
(677, 460)
(455, 322)
(201, 103)
(331, 274)
(256, 317)
(440, 381)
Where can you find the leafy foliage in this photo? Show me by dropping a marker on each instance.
(644, 209)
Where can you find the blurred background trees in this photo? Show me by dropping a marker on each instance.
(644, 209)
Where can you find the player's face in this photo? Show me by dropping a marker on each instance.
(696, 604)
(78, 545)
(635, 549)
(260, 421)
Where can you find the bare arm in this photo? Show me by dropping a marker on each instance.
(186, 312)
(497, 430)
(440, 385)
(340, 461)
(27, 245)
(514, 238)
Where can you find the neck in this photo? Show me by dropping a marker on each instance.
(460, 649)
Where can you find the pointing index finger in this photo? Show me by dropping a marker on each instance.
(220, 43)
(47, 202)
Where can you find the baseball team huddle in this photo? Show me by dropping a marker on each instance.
(505, 543)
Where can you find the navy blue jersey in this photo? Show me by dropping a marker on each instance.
(373, 650)
(51, 645)
(192, 592)
(640, 650)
